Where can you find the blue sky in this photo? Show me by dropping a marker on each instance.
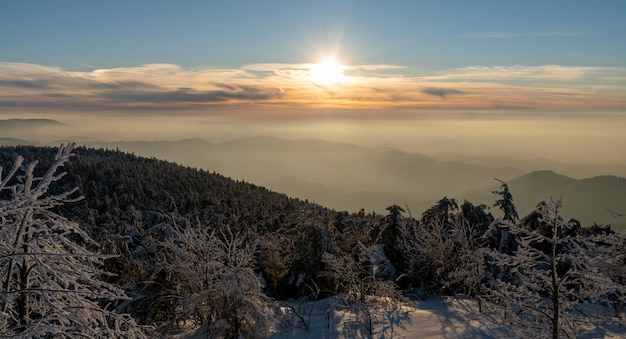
(421, 34)
(455, 73)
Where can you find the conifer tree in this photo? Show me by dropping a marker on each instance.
(50, 282)
(505, 203)
(440, 212)
(554, 280)
(389, 237)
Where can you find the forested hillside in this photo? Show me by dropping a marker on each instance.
(126, 195)
(117, 185)
(188, 245)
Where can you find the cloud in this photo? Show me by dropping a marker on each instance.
(24, 83)
(491, 35)
(528, 73)
(279, 87)
(381, 67)
(269, 67)
(509, 35)
(441, 92)
(559, 33)
(188, 95)
(148, 86)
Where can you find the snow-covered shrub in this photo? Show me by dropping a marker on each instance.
(309, 235)
(445, 255)
(556, 281)
(212, 280)
(429, 253)
(297, 314)
(355, 274)
(470, 269)
(362, 284)
(51, 284)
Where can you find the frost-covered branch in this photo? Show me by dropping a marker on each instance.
(553, 275)
(51, 285)
(212, 279)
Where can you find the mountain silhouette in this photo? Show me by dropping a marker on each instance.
(17, 124)
(359, 177)
(587, 200)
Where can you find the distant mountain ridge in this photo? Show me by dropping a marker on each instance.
(350, 177)
(587, 200)
(15, 142)
(22, 131)
(360, 173)
(28, 123)
(527, 165)
(331, 197)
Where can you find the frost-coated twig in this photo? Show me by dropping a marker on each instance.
(51, 285)
(555, 271)
(16, 166)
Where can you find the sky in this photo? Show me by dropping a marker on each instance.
(523, 78)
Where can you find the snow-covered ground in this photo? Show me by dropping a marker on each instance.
(447, 317)
(452, 317)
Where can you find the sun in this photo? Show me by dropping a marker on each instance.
(329, 71)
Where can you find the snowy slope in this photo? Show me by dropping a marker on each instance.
(451, 317)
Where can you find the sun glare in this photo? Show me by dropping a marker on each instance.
(327, 72)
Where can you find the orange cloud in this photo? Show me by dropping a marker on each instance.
(28, 87)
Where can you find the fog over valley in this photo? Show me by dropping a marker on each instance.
(592, 142)
(351, 176)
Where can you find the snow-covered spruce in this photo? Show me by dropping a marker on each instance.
(51, 284)
(556, 284)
